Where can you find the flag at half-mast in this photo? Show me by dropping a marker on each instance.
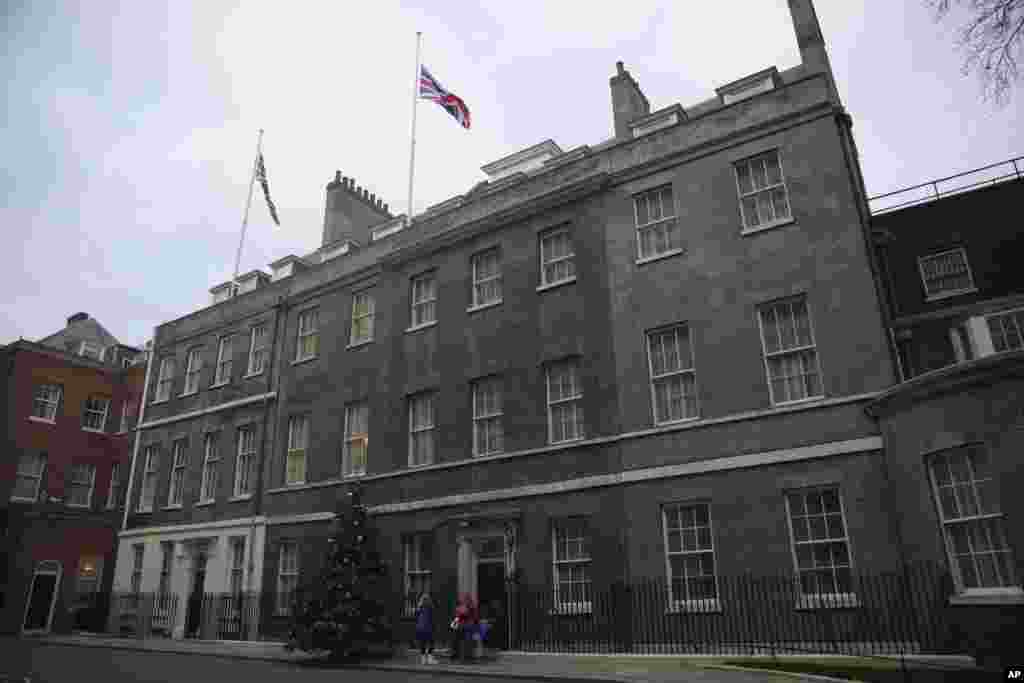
(430, 89)
(261, 175)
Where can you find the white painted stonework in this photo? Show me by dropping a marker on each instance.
(188, 540)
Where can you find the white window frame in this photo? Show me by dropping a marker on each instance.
(487, 288)
(87, 346)
(90, 410)
(414, 559)
(287, 574)
(367, 314)
(46, 400)
(114, 490)
(193, 370)
(222, 373)
(245, 459)
(992, 519)
(179, 463)
(297, 447)
(667, 224)
(1014, 317)
(417, 431)
(257, 350)
(575, 400)
(138, 558)
(356, 439)
(165, 380)
(81, 475)
(488, 416)
(307, 334)
(547, 261)
(211, 468)
(683, 372)
(698, 550)
(930, 295)
(559, 535)
(769, 189)
(37, 472)
(820, 599)
(797, 351)
(423, 300)
(151, 465)
(236, 570)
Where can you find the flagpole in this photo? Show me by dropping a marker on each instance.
(245, 218)
(412, 142)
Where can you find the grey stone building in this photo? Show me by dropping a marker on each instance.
(647, 358)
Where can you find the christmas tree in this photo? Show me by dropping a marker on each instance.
(345, 609)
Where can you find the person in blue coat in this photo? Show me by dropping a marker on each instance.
(425, 629)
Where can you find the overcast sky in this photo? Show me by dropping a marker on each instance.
(131, 127)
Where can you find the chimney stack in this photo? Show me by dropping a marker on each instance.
(628, 101)
(351, 211)
(811, 43)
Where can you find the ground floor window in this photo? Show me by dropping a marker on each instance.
(287, 576)
(689, 547)
(820, 543)
(973, 524)
(571, 555)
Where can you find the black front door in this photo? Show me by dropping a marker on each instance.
(195, 599)
(493, 601)
(39, 602)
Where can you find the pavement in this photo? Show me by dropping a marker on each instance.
(505, 664)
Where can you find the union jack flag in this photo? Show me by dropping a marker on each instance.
(430, 89)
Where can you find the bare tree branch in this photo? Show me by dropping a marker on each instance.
(992, 41)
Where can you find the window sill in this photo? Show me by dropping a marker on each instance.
(699, 606)
(143, 511)
(41, 420)
(565, 441)
(292, 484)
(809, 399)
(179, 506)
(419, 465)
(482, 307)
(158, 401)
(658, 257)
(93, 431)
(15, 499)
(682, 420)
(488, 454)
(989, 596)
(251, 375)
(583, 608)
(767, 226)
(79, 506)
(358, 344)
(188, 393)
(241, 498)
(218, 385)
(828, 601)
(553, 285)
(300, 361)
(205, 503)
(947, 295)
(417, 328)
(353, 475)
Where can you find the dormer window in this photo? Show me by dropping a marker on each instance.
(90, 350)
(523, 161)
(745, 88)
(663, 118)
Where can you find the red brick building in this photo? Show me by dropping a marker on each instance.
(68, 407)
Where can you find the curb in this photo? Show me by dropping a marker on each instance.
(129, 648)
(789, 674)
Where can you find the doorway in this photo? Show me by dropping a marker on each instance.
(491, 590)
(193, 620)
(42, 597)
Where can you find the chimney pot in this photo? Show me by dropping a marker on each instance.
(337, 176)
(373, 198)
(620, 68)
(386, 208)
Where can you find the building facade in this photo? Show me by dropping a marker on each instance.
(648, 358)
(69, 403)
(954, 429)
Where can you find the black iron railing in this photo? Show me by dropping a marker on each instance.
(889, 613)
(943, 187)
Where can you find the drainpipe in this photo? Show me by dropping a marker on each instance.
(138, 435)
(258, 495)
